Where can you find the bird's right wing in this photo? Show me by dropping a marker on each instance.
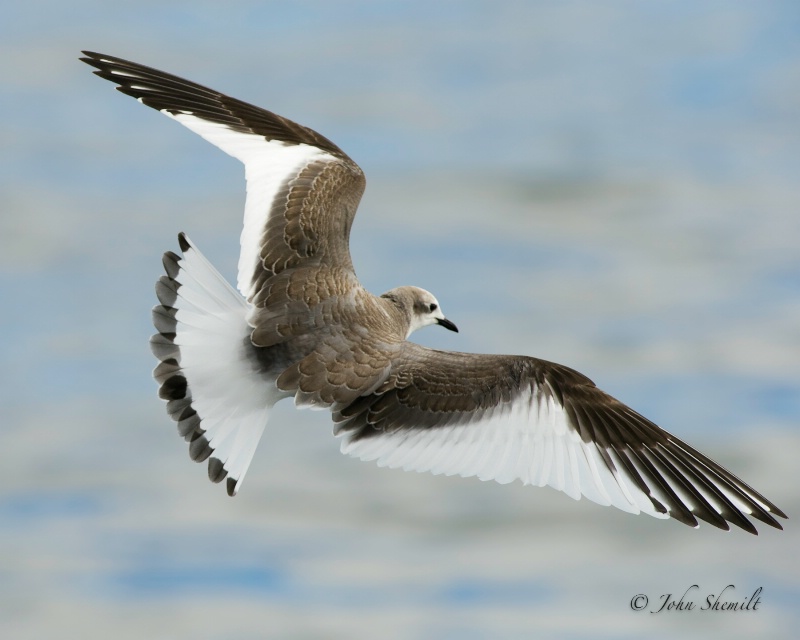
(513, 417)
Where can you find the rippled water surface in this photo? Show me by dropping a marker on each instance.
(608, 185)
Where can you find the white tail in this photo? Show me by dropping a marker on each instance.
(214, 387)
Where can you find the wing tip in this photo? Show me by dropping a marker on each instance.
(99, 61)
(88, 56)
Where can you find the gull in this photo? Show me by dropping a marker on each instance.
(301, 326)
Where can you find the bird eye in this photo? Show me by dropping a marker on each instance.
(434, 307)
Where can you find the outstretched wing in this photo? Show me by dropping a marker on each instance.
(302, 190)
(512, 417)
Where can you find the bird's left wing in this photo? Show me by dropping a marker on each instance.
(302, 190)
(505, 418)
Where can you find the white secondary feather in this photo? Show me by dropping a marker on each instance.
(268, 165)
(220, 391)
(528, 439)
(230, 396)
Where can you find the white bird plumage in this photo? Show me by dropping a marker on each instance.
(305, 328)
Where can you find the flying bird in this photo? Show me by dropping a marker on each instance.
(301, 326)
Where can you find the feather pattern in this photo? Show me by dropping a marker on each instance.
(508, 418)
(291, 171)
(216, 390)
(307, 329)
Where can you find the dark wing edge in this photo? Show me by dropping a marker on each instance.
(689, 484)
(430, 391)
(215, 390)
(302, 189)
(166, 92)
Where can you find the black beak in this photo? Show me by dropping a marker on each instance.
(447, 324)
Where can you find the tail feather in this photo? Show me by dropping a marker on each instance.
(213, 387)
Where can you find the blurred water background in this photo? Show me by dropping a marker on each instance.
(614, 186)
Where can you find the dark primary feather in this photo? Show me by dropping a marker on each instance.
(161, 90)
(428, 389)
(375, 385)
(311, 215)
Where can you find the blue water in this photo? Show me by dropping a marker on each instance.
(608, 185)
